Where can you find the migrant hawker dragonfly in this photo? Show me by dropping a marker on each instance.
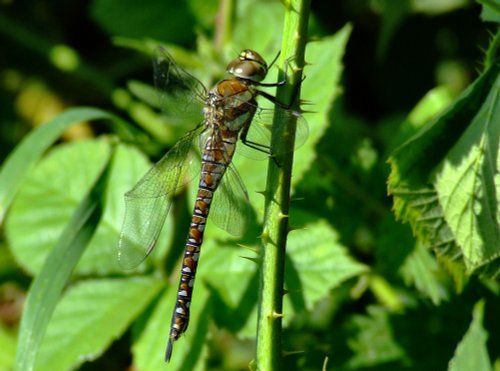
(229, 109)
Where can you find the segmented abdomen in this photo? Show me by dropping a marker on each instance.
(215, 160)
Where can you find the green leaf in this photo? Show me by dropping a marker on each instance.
(421, 269)
(205, 11)
(374, 343)
(54, 189)
(260, 31)
(225, 271)
(23, 158)
(90, 316)
(394, 13)
(149, 349)
(321, 87)
(313, 271)
(189, 351)
(438, 7)
(48, 285)
(490, 11)
(468, 185)
(310, 272)
(472, 351)
(48, 199)
(432, 104)
(159, 19)
(7, 348)
(454, 151)
(144, 92)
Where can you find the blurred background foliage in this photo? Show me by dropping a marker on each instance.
(404, 62)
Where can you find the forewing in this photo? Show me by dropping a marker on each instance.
(231, 208)
(148, 203)
(181, 94)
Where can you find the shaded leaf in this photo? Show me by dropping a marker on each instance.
(167, 20)
(490, 11)
(374, 343)
(421, 269)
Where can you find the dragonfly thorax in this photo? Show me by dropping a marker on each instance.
(231, 104)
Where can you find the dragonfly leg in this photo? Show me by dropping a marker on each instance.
(274, 100)
(279, 83)
(257, 146)
(274, 60)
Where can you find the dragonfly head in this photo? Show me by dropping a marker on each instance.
(248, 66)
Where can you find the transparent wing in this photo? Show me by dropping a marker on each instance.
(231, 208)
(181, 94)
(260, 131)
(148, 203)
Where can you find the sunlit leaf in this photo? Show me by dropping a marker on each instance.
(472, 351)
(260, 31)
(55, 273)
(320, 262)
(23, 158)
(54, 189)
(444, 181)
(145, 92)
(7, 348)
(316, 263)
(189, 351)
(90, 316)
(320, 87)
(468, 185)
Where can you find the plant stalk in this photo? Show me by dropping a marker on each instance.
(277, 194)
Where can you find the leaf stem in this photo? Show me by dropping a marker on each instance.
(269, 348)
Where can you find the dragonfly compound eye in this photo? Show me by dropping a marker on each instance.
(248, 66)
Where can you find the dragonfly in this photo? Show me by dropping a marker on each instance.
(229, 113)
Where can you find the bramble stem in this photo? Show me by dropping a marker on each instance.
(269, 348)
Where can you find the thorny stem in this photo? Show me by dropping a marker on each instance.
(269, 349)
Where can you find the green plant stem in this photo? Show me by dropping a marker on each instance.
(492, 56)
(269, 349)
(224, 25)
